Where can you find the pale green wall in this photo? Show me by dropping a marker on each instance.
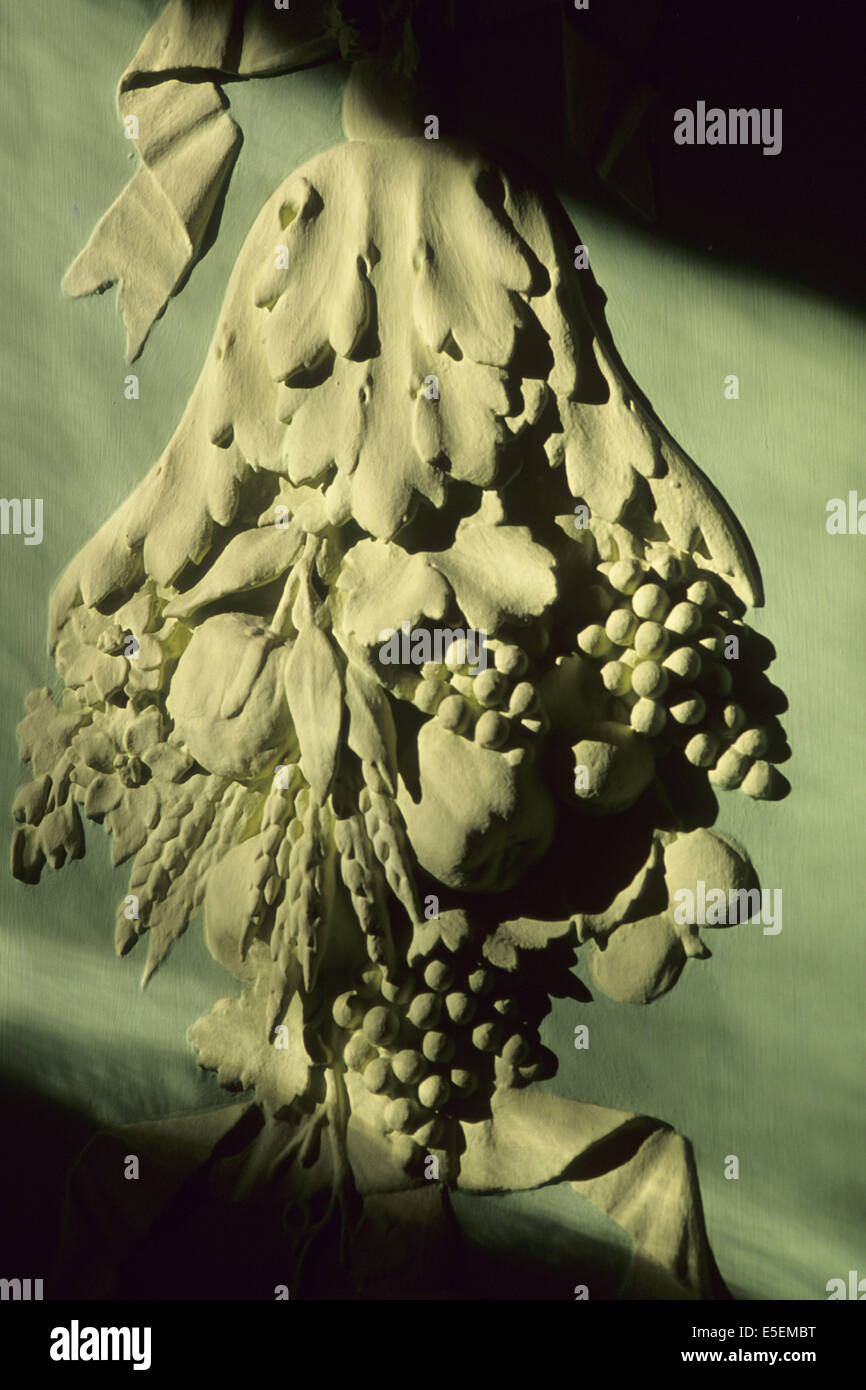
(755, 1053)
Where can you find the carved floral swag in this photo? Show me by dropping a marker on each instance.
(226, 718)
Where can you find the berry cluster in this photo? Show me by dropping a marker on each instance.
(667, 645)
(491, 705)
(435, 1042)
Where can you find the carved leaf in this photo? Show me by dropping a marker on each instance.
(391, 403)
(611, 440)
(233, 1040)
(497, 572)
(167, 921)
(46, 731)
(503, 946)
(314, 690)
(386, 587)
(254, 558)
(371, 725)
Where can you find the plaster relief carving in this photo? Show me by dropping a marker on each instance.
(402, 860)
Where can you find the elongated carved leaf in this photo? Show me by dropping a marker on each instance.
(314, 690)
(371, 725)
(254, 558)
(168, 921)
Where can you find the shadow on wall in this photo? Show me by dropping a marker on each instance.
(588, 97)
(204, 1219)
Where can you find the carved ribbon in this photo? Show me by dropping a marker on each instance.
(152, 235)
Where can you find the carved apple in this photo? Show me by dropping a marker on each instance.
(482, 820)
(227, 698)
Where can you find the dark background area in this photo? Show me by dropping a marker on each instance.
(555, 84)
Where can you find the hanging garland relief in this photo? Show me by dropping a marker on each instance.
(413, 663)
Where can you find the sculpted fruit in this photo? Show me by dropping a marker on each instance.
(480, 822)
(227, 697)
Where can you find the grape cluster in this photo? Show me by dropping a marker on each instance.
(661, 638)
(491, 706)
(435, 1040)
